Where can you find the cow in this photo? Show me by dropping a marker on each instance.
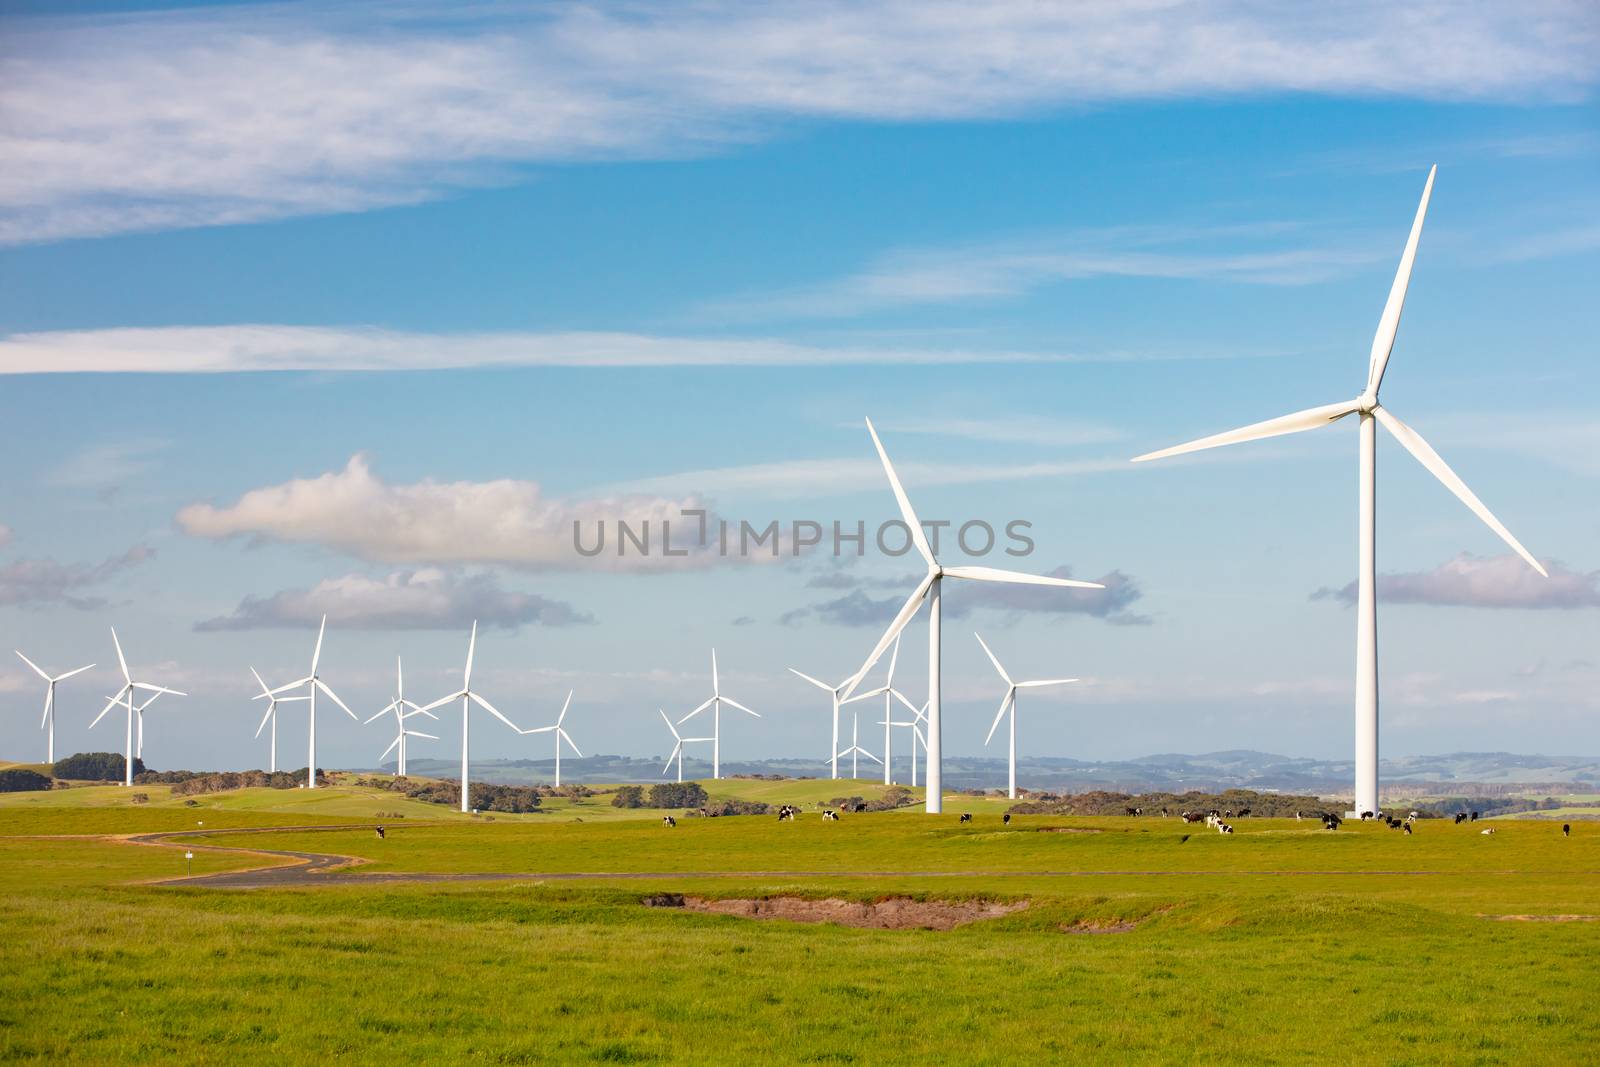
(1407, 828)
(830, 816)
(1192, 816)
(966, 816)
(1223, 828)
(667, 820)
(1474, 817)
(1487, 832)
(1006, 818)
(1461, 817)
(1297, 816)
(1366, 815)
(1566, 829)
(1243, 812)
(379, 831)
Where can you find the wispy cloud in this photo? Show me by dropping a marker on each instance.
(426, 599)
(1482, 582)
(857, 608)
(106, 466)
(814, 477)
(123, 122)
(39, 582)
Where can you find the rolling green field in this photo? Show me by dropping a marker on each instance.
(1278, 944)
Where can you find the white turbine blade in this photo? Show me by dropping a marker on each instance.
(110, 703)
(492, 710)
(697, 711)
(392, 746)
(1413, 443)
(266, 690)
(387, 708)
(715, 687)
(992, 659)
(1309, 419)
(910, 516)
(570, 744)
(538, 730)
(735, 704)
(316, 653)
(35, 667)
(69, 674)
(1389, 324)
(994, 574)
(121, 659)
(675, 750)
(813, 681)
(296, 684)
(416, 709)
(921, 737)
(399, 680)
(1046, 681)
(265, 719)
(867, 695)
(1005, 702)
(419, 733)
(331, 695)
(49, 699)
(907, 611)
(157, 689)
(441, 702)
(871, 757)
(901, 697)
(284, 700)
(472, 645)
(670, 726)
(563, 716)
(894, 657)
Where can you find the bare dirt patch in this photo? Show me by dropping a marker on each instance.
(1543, 918)
(1111, 926)
(1068, 830)
(895, 913)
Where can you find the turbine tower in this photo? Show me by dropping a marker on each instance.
(468, 698)
(270, 716)
(677, 749)
(930, 588)
(403, 709)
(715, 704)
(855, 751)
(561, 735)
(1371, 414)
(125, 697)
(312, 683)
(48, 723)
(1010, 701)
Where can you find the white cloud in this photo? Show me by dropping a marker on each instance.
(505, 521)
(122, 122)
(262, 347)
(426, 599)
(1483, 582)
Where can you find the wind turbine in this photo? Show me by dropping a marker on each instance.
(468, 698)
(715, 704)
(855, 751)
(312, 683)
(125, 697)
(561, 735)
(48, 723)
(833, 692)
(403, 709)
(270, 716)
(677, 749)
(919, 717)
(889, 693)
(1371, 414)
(1010, 701)
(930, 588)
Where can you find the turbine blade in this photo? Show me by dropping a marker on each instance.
(392, 746)
(563, 716)
(266, 690)
(735, 704)
(158, 689)
(670, 726)
(907, 611)
(675, 750)
(1005, 702)
(35, 667)
(901, 697)
(472, 646)
(492, 710)
(121, 659)
(265, 719)
(1389, 324)
(419, 733)
(570, 744)
(715, 687)
(316, 653)
(331, 695)
(387, 708)
(539, 730)
(994, 574)
(69, 674)
(813, 681)
(441, 702)
(871, 757)
(399, 679)
(1309, 419)
(697, 711)
(284, 688)
(992, 659)
(49, 699)
(900, 498)
(867, 695)
(1046, 681)
(894, 657)
(1425, 455)
(111, 703)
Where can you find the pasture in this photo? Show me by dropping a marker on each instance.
(1144, 940)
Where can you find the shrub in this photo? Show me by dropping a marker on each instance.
(677, 795)
(95, 767)
(21, 780)
(735, 807)
(628, 796)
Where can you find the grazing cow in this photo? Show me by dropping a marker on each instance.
(966, 816)
(1223, 828)
(1474, 817)
(1407, 828)
(667, 820)
(1366, 815)
(1461, 817)
(379, 831)
(1243, 812)
(1297, 816)
(1164, 813)
(1330, 821)
(1192, 816)
(1566, 829)
(862, 806)
(1490, 830)
(1006, 818)
(830, 816)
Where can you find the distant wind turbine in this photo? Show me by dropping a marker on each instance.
(930, 589)
(125, 697)
(889, 694)
(1371, 414)
(271, 716)
(855, 751)
(833, 692)
(48, 723)
(403, 709)
(1010, 701)
(677, 748)
(468, 698)
(312, 683)
(561, 735)
(715, 704)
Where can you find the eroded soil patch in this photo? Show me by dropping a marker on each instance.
(895, 913)
(1543, 918)
(1069, 830)
(1111, 926)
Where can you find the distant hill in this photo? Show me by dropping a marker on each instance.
(1470, 772)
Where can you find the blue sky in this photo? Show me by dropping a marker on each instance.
(542, 263)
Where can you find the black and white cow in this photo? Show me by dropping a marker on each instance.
(1006, 818)
(830, 815)
(667, 820)
(1566, 829)
(379, 831)
(966, 816)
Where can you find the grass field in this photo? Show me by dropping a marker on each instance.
(1278, 944)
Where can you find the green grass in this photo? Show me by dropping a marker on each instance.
(1228, 965)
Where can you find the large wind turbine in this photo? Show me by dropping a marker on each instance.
(48, 723)
(271, 716)
(715, 704)
(1010, 701)
(561, 735)
(403, 709)
(125, 697)
(855, 751)
(312, 683)
(468, 698)
(930, 589)
(677, 748)
(1367, 407)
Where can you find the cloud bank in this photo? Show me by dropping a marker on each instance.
(38, 582)
(136, 121)
(1482, 582)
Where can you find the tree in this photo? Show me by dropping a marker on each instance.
(628, 796)
(22, 780)
(677, 795)
(95, 767)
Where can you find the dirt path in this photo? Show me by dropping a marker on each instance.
(299, 870)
